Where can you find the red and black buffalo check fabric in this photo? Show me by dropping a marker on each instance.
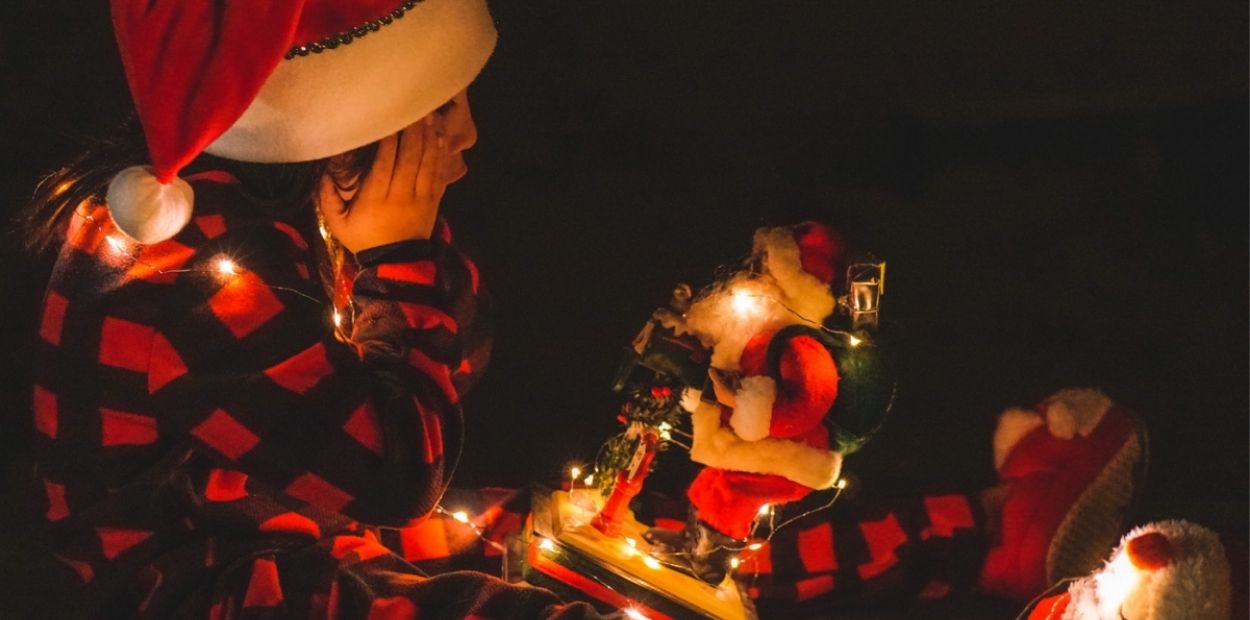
(210, 442)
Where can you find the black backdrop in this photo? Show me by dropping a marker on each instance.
(1061, 194)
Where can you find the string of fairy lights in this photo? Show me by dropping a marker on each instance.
(743, 302)
(223, 267)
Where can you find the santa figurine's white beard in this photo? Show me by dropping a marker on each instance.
(732, 312)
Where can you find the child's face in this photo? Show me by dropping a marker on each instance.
(460, 131)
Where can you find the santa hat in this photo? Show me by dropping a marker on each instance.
(805, 260)
(279, 82)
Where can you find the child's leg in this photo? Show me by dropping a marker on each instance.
(862, 551)
(441, 543)
(352, 577)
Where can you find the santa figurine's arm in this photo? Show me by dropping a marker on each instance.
(797, 403)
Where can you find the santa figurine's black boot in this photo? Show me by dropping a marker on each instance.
(711, 553)
(698, 549)
(671, 546)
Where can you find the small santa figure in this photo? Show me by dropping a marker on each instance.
(1169, 569)
(781, 384)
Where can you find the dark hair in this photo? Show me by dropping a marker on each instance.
(290, 187)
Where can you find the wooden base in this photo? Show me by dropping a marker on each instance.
(561, 551)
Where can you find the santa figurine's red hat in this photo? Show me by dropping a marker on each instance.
(805, 260)
(279, 82)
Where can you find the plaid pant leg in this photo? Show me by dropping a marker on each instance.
(441, 543)
(869, 550)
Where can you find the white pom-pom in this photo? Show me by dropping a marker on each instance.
(1075, 411)
(145, 209)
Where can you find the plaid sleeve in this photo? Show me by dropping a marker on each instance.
(247, 367)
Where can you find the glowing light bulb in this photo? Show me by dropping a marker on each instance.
(589, 480)
(744, 303)
(460, 516)
(547, 545)
(755, 546)
(575, 471)
(665, 426)
(630, 548)
(841, 483)
(651, 562)
(734, 562)
(855, 342)
(226, 267)
(634, 614)
(765, 509)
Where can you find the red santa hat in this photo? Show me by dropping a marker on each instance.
(279, 82)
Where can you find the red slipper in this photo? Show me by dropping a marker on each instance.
(1073, 467)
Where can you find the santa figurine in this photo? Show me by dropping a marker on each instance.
(791, 390)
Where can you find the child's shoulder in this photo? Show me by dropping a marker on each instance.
(224, 208)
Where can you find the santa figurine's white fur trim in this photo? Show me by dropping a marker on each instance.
(804, 292)
(717, 446)
(753, 407)
(724, 326)
(146, 210)
(1013, 425)
(324, 104)
(1194, 584)
(690, 398)
(1075, 411)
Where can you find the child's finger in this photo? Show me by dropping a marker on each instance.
(431, 163)
(377, 181)
(331, 204)
(408, 162)
(328, 198)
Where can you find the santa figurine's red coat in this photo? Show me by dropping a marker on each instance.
(771, 447)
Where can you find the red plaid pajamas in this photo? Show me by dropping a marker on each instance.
(208, 445)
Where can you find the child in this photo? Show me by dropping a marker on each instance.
(222, 398)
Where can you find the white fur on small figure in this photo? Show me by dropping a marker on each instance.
(1160, 571)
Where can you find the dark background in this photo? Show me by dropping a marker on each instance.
(1060, 191)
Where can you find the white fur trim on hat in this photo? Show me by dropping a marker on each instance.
(716, 446)
(1013, 425)
(146, 210)
(1075, 411)
(753, 407)
(324, 104)
(1194, 585)
(804, 292)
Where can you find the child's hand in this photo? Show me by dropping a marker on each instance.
(399, 196)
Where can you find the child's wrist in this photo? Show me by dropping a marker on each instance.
(397, 252)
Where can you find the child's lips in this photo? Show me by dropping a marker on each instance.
(457, 171)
